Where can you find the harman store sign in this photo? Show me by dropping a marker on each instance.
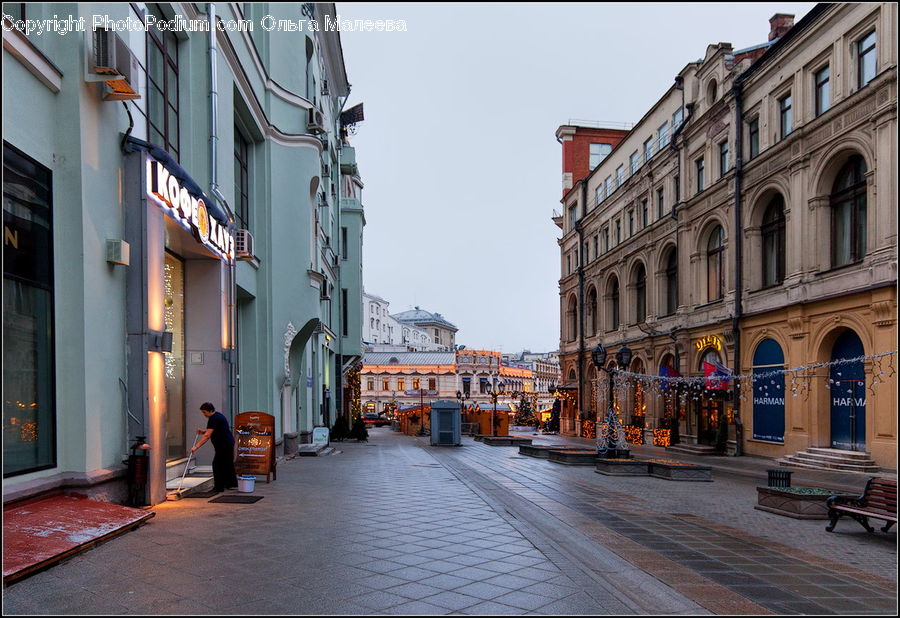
(189, 211)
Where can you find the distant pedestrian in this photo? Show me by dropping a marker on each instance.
(218, 430)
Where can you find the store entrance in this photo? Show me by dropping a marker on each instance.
(708, 420)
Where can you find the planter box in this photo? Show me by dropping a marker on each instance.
(543, 451)
(505, 440)
(622, 467)
(676, 471)
(573, 457)
(782, 501)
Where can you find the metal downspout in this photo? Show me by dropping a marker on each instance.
(339, 365)
(231, 293)
(737, 91)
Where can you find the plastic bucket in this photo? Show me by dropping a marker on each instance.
(246, 483)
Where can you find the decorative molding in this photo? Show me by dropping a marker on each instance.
(289, 335)
(884, 313)
(797, 327)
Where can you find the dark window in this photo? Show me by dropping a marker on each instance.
(753, 129)
(572, 319)
(29, 414)
(848, 213)
(242, 179)
(640, 292)
(16, 10)
(645, 216)
(823, 91)
(162, 86)
(672, 283)
(700, 180)
(723, 158)
(345, 313)
(867, 56)
(592, 311)
(773, 242)
(677, 192)
(614, 304)
(630, 223)
(786, 115)
(344, 243)
(660, 203)
(715, 266)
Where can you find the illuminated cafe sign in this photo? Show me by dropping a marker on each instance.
(188, 210)
(709, 341)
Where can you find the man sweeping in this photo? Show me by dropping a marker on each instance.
(217, 430)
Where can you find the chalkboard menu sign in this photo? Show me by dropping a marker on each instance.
(254, 435)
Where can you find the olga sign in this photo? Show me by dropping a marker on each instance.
(166, 190)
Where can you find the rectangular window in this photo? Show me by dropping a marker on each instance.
(344, 251)
(605, 240)
(618, 232)
(370, 384)
(162, 86)
(609, 185)
(596, 247)
(29, 415)
(677, 118)
(242, 179)
(598, 153)
(866, 59)
(401, 384)
(787, 115)
(385, 384)
(677, 192)
(599, 194)
(645, 214)
(620, 175)
(432, 384)
(573, 217)
(634, 161)
(416, 384)
(660, 203)
(699, 168)
(753, 131)
(648, 149)
(823, 91)
(630, 223)
(724, 164)
(662, 135)
(345, 314)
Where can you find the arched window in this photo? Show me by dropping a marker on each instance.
(715, 265)
(848, 213)
(572, 319)
(773, 242)
(614, 304)
(640, 294)
(592, 311)
(712, 92)
(672, 283)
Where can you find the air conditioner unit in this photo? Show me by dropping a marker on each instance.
(244, 247)
(316, 122)
(110, 61)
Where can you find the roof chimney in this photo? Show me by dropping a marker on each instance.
(779, 24)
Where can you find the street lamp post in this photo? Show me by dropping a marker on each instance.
(611, 442)
(494, 394)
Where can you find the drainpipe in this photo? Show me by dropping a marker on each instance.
(217, 194)
(580, 254)
(737, 92)
(339, 365)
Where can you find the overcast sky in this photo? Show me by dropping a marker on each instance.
(458, 152)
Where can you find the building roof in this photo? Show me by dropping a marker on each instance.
(417, 316)
(409, 358)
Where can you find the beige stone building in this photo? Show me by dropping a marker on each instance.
(749, 220)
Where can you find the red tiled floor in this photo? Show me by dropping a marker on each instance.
(40, 532)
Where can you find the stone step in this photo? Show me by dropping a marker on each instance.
(310, 450)
(826, 459)
(791, 460)
(834, 452)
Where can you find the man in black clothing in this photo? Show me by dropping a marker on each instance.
(217, 430)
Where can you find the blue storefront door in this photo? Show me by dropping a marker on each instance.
(848, 395)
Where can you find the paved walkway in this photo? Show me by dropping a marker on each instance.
(397, 527)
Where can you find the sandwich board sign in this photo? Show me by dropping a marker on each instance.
(320, 435)
(254, 436)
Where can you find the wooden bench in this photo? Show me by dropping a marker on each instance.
(879, 500)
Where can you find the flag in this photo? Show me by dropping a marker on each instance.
(717, 375)
(667, 372)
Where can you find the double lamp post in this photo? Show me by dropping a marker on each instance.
(611, 442)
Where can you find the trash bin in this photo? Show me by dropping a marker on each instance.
(290, 444)
(246, 483)
(779, 478)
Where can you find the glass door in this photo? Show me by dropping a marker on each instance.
(174, 319)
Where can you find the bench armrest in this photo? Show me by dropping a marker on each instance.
(844, 500)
